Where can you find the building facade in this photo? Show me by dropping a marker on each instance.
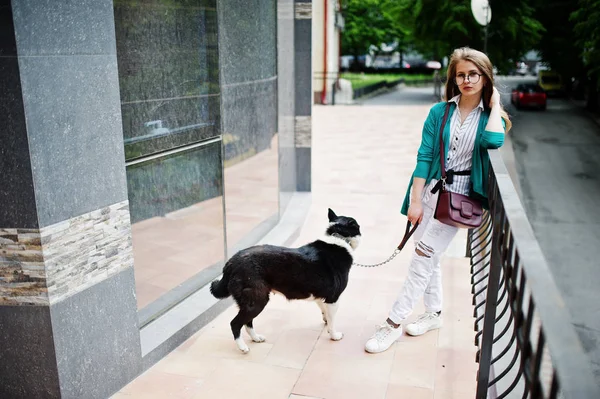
(142, 144)
(328, 24)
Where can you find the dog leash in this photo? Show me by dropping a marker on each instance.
(407, 234)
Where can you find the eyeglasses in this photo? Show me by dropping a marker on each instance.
(473, 77)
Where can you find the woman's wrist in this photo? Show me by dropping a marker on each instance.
(415, 200)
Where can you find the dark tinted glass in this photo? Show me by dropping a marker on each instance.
(167, 55)
(168, 73)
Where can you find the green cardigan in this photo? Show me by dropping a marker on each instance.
(428, 157)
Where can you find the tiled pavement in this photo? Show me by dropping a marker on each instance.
(362, 160)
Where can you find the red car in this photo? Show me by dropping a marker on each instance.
(528, 95)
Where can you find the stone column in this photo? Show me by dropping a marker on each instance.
(286, 87)
(303, 92)
(68, 315)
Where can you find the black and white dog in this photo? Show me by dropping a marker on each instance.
(316, 271)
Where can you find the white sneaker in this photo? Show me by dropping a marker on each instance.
(384, 337)
(426, 322)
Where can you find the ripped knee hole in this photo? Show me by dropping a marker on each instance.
(424, 250)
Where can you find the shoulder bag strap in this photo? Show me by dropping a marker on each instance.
(442, 140)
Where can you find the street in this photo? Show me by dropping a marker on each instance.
(556, 156)
(553, 158)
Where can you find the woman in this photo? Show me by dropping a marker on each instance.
(476, 122)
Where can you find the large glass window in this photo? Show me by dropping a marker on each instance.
(170, 101)
(168, 73)
(176, 204)
(248, 59)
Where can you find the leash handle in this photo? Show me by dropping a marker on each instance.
(407, 234)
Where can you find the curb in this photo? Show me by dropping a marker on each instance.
(362, 99)
(375, 87)
(384, 87)
(379, 92)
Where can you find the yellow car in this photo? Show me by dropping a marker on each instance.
(551, 82)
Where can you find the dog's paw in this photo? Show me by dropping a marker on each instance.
(242, 346)
(255, 337)
(336, 336)
(258, 338)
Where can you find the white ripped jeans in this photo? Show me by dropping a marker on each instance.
(431, 238)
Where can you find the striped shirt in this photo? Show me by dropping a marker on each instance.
(460, 149)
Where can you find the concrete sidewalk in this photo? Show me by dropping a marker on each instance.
(363, 157)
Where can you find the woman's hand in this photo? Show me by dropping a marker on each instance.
(495, 100)
(415, 212)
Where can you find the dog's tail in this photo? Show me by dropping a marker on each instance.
(219, 288)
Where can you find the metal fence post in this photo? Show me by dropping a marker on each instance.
(469, 238)
(333, 94)
(489, 320)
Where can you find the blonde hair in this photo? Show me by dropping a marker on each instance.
(485, 66)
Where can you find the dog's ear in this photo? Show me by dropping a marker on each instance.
(332, 216)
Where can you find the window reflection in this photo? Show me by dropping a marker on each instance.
(168, 73)
(251, 153)
(252, 196)
(167, 56)
(249, 97)
(176, 205)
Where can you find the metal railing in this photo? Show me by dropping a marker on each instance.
(527, 347)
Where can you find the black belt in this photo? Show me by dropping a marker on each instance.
(449, 179)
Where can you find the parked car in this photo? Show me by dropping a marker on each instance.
(520, 69)
(529, 95)
(539, 67)
(551, 82)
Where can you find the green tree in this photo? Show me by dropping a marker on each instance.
(571, 44)
(558, 45)
(434, 25)
(367, 23)
(587, 32)
(439, 26)
(587, 37)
